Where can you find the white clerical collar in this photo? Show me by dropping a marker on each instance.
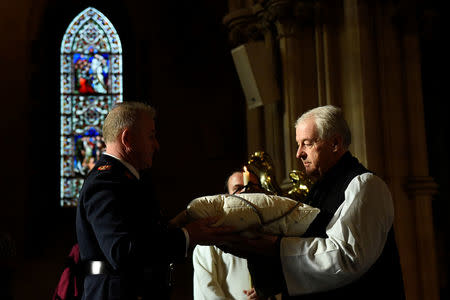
(127, 165)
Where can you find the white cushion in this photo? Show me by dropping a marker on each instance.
(234, 211)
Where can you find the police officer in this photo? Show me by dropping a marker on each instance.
(124, 244)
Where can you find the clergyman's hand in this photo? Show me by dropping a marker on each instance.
(261, 244)
(265, 244)
(201, 232)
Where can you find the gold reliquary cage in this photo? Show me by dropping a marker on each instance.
(260, 163)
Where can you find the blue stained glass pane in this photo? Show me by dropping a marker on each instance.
(91, 84)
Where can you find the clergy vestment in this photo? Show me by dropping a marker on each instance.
(348, 252)
(219, 275)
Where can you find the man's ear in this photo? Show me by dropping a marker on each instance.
(337, 142)
(125, 138)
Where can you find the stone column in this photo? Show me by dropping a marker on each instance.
(420, 186)
(264, 127)
(402, 134)
(294, 24)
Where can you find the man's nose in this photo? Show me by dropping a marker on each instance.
(299, 152)
(156, 145)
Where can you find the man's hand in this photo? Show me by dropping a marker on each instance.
(201, 232)
(180, 220)
(251, 294)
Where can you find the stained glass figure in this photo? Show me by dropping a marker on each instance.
(91, 84)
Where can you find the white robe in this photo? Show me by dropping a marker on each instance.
(219, 275)
(355, 239)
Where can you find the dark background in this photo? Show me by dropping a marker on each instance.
(176, 57)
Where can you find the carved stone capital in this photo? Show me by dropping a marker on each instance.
(243, 26)
(252, 23)
(302, 11)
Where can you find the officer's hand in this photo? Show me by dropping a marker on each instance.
(180, 220)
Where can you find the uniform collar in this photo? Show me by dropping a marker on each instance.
(127, 165)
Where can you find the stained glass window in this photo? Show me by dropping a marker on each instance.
(91, 84)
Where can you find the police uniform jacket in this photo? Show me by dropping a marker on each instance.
(119, 223)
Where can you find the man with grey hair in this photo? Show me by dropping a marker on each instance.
(125, 245)
(349, 250)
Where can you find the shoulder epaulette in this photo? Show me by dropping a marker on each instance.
(104, 167)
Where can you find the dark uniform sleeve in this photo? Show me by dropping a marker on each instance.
(127, 229)
(104, 213)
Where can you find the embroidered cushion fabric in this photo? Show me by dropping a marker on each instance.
(246, 211)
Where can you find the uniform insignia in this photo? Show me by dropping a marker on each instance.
(104, 168)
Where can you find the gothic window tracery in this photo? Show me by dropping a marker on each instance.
(91, 84)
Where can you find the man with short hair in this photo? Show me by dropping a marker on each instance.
(235, 183)
(349, 251)
(124, 244)
(217, 274)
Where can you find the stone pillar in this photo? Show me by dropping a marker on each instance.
(294, 24)
(420, 186)
(386, 97)
(288, 29)
(247, 23)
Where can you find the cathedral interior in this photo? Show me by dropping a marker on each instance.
(382, 62)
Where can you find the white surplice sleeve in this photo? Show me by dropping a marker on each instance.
(219, 275)
(355, 239)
